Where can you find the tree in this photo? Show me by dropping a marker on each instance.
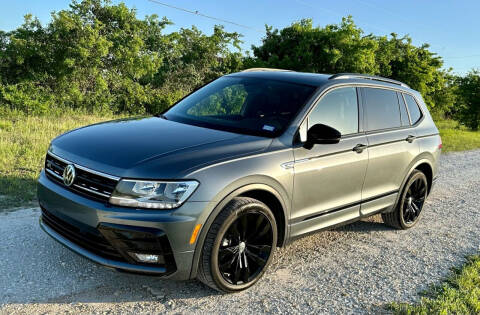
(331, 49)
(421, 69)
(344, 48)
(99, 56)
(469, 99)
(195, 58)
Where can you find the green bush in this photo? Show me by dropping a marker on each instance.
(27, 97)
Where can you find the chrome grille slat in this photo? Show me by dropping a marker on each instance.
(93, 184)
(54, 174)
(92, 191)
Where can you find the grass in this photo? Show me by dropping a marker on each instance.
(23, 143)
(459, 294)
(456, 137)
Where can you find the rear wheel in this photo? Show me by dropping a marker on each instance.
(239, 246)
(410, 205)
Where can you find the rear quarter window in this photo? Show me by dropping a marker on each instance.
(415, 113)
(382, 109)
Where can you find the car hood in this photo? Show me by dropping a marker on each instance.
(152, 147)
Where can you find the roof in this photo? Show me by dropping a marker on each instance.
(316, 79)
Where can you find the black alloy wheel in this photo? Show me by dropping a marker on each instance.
(414, 199)
(410, 205)
(239, 245)
(245, 247)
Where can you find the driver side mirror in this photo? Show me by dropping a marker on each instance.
(322, 134)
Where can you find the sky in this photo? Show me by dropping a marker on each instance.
(452, 28)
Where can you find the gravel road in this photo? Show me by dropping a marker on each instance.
(358, 268)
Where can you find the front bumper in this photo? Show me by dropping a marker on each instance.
(169, 230)
(154, 270)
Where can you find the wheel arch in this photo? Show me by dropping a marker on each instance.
(262, 192)
(422, 163)
(426, 169)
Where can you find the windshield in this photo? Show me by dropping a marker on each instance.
(243, 105)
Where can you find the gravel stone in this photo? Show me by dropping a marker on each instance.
(358, 268)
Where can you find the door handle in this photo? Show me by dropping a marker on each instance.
(410, 138)
(360, 147)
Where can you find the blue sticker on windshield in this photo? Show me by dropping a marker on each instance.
(268, 128)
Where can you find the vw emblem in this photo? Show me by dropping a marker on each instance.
(69, 175)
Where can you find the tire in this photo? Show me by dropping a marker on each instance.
(224, 260)
(402, 217)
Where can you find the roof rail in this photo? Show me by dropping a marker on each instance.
(263, 69)
(367, 77)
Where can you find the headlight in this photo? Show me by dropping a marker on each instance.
(152, 194)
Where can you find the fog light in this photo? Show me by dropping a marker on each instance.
(148, 258)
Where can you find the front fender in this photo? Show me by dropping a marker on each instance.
(240, 187)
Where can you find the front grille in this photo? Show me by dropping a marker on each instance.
(87, 182)
(82, 235)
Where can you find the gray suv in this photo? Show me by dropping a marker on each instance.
(209, 188)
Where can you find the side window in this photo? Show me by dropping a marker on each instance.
(382, 109)
(415, 113)
(403, 111)
(337, 109)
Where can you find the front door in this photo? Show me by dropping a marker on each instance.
(328, 178)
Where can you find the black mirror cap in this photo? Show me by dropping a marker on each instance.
(323, 134)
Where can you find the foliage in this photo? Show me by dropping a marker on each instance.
(469, 99)
(399, 59)
(100, 56)
(460, 294)
(344, 48)
(331, 49)
(27, 97)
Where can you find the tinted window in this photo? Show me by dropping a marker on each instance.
(382, 109)
(415, 113)
(403, 111)
(337, 109)
(244, 105)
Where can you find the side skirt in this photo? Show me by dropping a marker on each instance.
(325, 221)
(342, 217)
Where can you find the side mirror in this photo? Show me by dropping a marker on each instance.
(323, 134)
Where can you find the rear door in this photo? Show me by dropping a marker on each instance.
(391, 147)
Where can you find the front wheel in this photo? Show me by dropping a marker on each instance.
(239, 246)
(410, 206)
